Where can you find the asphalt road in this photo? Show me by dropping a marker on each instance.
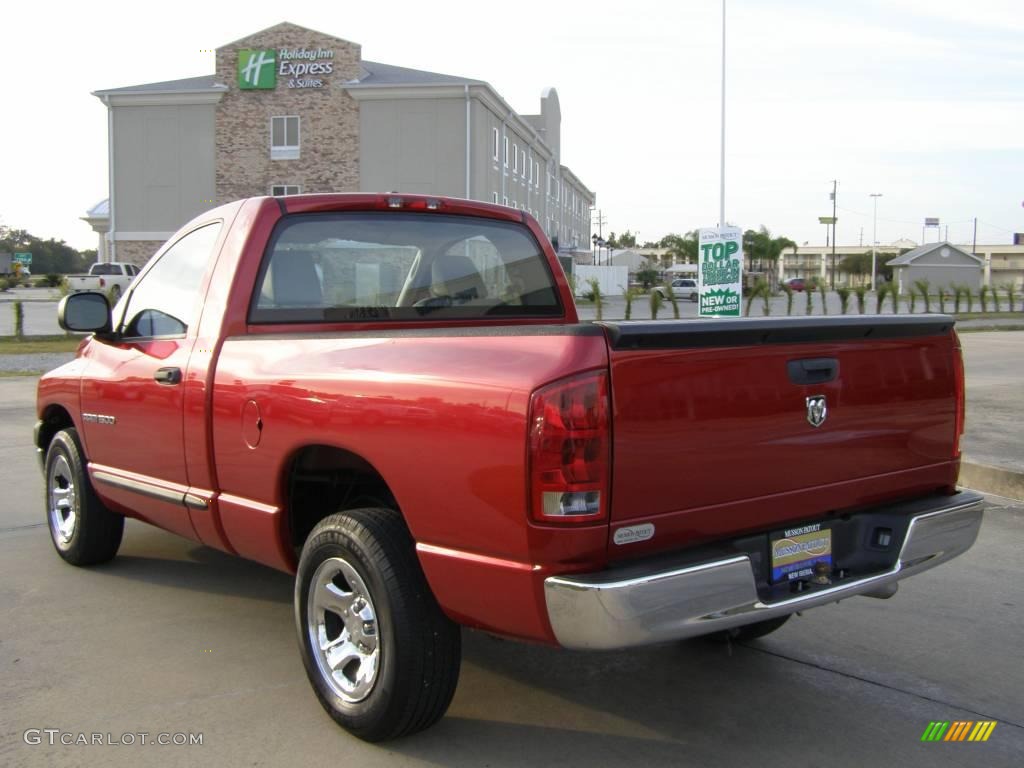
(994, 363)
(173, 637)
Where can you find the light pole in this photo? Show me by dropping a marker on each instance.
(721, 201)
(874, 237)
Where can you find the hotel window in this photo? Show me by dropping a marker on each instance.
(495, 142)
(515, 158)
(522, 165)
(284, 138)
(494, 197)
(282, 190)
(505, 201)
(536, 175)
(506, 151)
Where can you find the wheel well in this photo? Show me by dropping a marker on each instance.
(55, 418)
(323, 480)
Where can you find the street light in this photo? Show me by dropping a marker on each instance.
(874, 237)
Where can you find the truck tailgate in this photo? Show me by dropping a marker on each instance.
(712, 421)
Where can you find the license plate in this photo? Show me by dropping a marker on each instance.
(795, 552)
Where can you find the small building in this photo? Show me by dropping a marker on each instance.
(943, 265)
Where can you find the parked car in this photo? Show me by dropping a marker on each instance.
(392, 397)
(682, 287)
(110, 277)
(797, 284)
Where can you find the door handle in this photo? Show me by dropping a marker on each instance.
(817, 370)
(167, 376)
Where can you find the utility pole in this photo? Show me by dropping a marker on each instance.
(974, 247)
(835, 187)
(601, 221)
(874, 238)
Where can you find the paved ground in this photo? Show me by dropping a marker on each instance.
(174, 637)
(995, 398)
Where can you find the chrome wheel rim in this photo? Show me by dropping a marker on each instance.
(63, 501)
(341, 622)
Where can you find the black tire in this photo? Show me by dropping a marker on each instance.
(750, 631)
(82, 529)
(418, 649)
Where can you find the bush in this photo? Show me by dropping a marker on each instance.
(628, 294)
(19, 320)
(913, 300)
(894, 291)
(822, 289)
(942, 300)
(595, 292)
(655, 304)
(923, 286)
(1011, 294)
(4, 284)
(844, 298)
(983, 297)
(51, 280)
(671, 296)
(880, 294)
(789, 298)
(862, 292)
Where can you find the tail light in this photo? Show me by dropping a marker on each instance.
(961, 399)
(570, 450)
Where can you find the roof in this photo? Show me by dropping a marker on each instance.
(206, 83)
(921, 250)
(388, 74)
(99, 211)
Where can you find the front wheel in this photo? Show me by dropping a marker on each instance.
(83, 531)
(381, 656)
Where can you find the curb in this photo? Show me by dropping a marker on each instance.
(995, 480)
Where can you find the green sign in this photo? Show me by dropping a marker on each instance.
(721, 272)
(25, 258)
(257, 69)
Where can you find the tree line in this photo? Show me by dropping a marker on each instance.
(48, 256)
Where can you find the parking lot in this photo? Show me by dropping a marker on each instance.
(172, 637)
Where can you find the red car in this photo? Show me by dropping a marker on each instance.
(797, 284)
(391, 397)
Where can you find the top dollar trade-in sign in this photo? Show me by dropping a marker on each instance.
(720, 259)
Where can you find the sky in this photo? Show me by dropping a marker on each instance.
(919, 100)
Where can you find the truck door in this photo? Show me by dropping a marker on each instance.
(133, 388)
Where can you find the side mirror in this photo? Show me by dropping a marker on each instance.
(86, 312)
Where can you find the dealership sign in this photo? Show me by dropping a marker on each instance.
(721, 272)
(258, 69)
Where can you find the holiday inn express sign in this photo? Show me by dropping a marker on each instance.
(258, 69)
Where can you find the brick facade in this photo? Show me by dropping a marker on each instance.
(329, 121)
(136, 252)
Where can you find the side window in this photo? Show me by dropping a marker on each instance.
(165, 301)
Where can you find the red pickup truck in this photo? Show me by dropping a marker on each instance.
(391, 397)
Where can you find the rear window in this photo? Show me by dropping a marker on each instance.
(401, 266)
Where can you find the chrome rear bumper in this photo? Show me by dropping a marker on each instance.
(623, 608)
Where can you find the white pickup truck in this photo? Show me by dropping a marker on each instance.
(111, 278)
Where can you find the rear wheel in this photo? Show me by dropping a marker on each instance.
(83, 531)
(382, 657)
